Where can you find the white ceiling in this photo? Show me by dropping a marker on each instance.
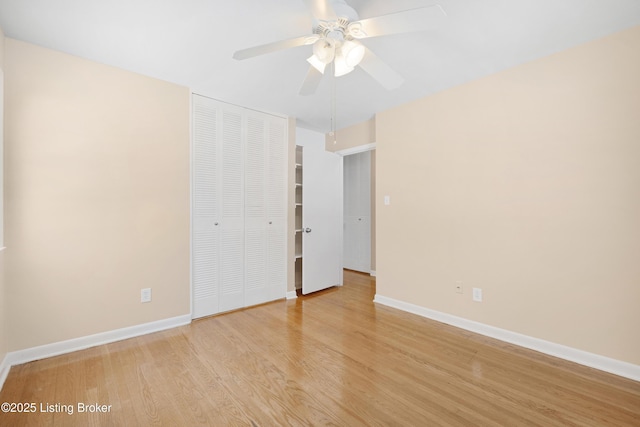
(191, 42)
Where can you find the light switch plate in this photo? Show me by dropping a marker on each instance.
(145, 295)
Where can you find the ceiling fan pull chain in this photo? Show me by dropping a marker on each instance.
(333, 102)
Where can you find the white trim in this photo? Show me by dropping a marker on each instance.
(4, 370)
(372, 273)
(292, 295)
(191, 169)
(270, 113)
(617, 367)
(75, 344)
(357, 149)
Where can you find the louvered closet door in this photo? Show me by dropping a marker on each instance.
(232, 212)
(205, 227)
(276, 185)
(255, 210)
(265, 208)
(239, 207)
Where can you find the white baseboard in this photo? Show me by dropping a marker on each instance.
(292, 295)
(617, 367)
(75, 344)
(372, 273)
(4, 370)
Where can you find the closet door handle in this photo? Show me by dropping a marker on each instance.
(215, 223)
(307, 230)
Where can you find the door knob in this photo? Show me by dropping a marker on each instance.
(307, 230)
(215, 223)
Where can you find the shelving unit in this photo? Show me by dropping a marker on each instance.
(299, 229)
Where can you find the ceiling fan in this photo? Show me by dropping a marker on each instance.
(337, 32)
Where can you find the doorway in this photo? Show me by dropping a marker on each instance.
(359, 212)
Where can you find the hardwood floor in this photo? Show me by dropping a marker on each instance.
(332, 358)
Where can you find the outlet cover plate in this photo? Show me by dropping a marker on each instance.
(459, 288)
(477, 294)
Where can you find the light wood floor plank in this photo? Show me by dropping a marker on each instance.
(331, 358)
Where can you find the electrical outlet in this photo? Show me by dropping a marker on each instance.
(459, 288)
(145, 295)
(477, 294)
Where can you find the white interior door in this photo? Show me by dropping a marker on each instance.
(357, 212)
(321, 213)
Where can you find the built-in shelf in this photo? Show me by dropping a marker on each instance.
(298, 218)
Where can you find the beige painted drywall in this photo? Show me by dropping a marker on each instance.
(525, 184)
(353, 136)
(3, 305)
(96, 196)
(4, 342)
(1, 48)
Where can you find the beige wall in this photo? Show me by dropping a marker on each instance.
(526, 184)
(3, 305)
(96, 197)
(352, 136)
(4, 341)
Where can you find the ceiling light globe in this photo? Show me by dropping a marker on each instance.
(353, 53)
(317, 64)
(325, 50)
(341, 66)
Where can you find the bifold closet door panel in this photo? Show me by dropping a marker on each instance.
(276, 192)
(265, 208)
(205, 204)
(232, 206)
(255, 209)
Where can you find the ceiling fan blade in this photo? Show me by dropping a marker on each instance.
(271, 47)
(311, 82)
(406, 21)
(321, 9)
(380, 71)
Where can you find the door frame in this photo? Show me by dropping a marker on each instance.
(361, 149)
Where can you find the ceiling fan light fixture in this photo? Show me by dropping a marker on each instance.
(353, 52)
(324, 50)
(341, 66)
(316, 63)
